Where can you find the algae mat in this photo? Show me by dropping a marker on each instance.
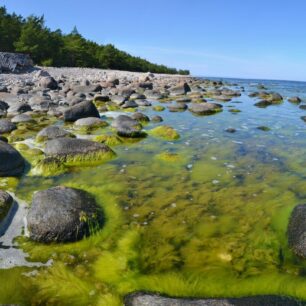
(204, 215)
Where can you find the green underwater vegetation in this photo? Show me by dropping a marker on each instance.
(204, 216)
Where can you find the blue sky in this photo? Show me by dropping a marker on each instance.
(225, 38)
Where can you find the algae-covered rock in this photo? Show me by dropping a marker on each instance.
(110, 140)
(52, 132)
(168, 157)
(49, 166)
(127, 126)
(11, 162)
(205, 108)
(140, 117)
(89, 123)
(295, 100)
(297, 231)
(63, 214)
(78, 152)
(166, 132)
(158, 108)
(6, 202)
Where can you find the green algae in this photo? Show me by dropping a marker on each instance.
(165, 132)
(202, 217)
(158, 108)
(110, 140)
(49, 167)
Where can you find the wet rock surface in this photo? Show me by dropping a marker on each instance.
(62, 214)
(297, 231)
(147, 299)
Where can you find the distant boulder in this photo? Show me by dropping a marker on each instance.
(14, 62)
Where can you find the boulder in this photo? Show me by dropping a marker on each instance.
(156, 119)
(119, 100)
(129, 104)
(295, 100)
(205, 108)
(177, 107)
(11, 162)
(90, 123)
(78, 152)
(15, 62)
(81, 110)
(143, 102)
(22, 118)
(127, 126)
(297, 231)
(52, 132)
(181, 89)
(6, 126)
(63, 214)
(6, 202)
(150, 299)
(48, 82)
(140, 117)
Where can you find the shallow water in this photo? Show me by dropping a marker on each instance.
(210, 222)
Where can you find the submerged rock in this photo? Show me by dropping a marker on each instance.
(140, 117)
(177, 107)
(78, 152)
(6, 202)
(11, 162)
(63, 214)
(205, 108)
(156, 119)
(81, 110)
(297, 231)
(148, 299)
(296, 100)
(165, 132)
(127, 126)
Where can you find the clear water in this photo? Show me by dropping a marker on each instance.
(210, 222)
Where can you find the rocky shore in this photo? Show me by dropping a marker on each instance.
(47, 117)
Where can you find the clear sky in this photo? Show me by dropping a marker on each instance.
(225, 38)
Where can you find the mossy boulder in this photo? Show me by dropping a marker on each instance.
(168, 157)
(52, 132)
(127, 126)
(63, 214)
(165, 132)
(158, 108)
(205, 108)
(49, 166)
(89, 123)
(78, 152)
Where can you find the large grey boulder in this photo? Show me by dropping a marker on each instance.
(127, 126)
(81, 110)
(147, 299)
(11, 162)
(14, 62)
(178, 90)
(74, 151)
(297, 231)
(63, 214)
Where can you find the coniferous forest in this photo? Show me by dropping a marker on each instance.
(54, 48)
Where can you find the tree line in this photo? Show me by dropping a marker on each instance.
(54, 48)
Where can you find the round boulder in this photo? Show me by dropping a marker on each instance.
(81, 110)
(90, 123)
(63, 214)
(52, 132)
(78, 152)
(6, 126)
(205, 108)
(11, 162)
(127, 126)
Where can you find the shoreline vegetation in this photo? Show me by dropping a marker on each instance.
(54, 48)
